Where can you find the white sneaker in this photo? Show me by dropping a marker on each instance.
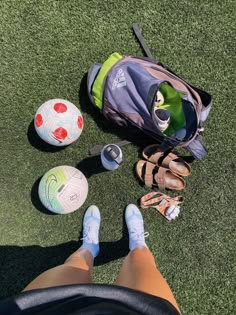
(134, 221)
(91, 225)
(159, 99)
(162, 118)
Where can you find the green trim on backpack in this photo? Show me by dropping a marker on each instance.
(97, 89)
(173, 103)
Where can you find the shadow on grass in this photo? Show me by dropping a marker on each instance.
(91, 166)
(20, 265)
(38, 143)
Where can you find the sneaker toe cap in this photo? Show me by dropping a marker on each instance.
(131, 210)
(93, 211)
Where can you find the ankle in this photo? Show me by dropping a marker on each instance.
(82, 258)
(142, 246)
(137, 245)
(84, 253)
(93, 249)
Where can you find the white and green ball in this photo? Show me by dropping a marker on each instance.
(63, 189)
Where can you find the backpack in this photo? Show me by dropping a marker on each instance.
(124, 88)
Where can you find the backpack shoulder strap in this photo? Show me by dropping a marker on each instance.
(197, 148)
(138, 32)
(92, 73)
(206, 104)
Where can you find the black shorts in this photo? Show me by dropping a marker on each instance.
(86, 299)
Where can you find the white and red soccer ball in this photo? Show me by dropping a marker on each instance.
(58, 122)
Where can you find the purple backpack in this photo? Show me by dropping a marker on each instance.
(124, 88)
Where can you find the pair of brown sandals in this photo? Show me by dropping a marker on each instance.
(161, 169)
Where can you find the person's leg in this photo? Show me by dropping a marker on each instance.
(139, 271)
(78, 267)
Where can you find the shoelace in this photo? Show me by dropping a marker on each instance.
(90, 234)
(136, 234)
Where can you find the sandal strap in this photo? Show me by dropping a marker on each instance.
(148, 201)
(160, 178)
(148, 176)
(166, 161)
(155, 157)
(171, 157)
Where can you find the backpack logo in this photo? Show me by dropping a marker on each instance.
(120, 80)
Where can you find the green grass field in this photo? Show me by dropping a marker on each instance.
(46, 49)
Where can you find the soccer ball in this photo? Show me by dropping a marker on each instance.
(58, 122)
(63, 189)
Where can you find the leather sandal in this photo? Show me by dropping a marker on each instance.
(153, 175)
(170, 161)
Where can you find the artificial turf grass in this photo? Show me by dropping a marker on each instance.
(46, 49)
